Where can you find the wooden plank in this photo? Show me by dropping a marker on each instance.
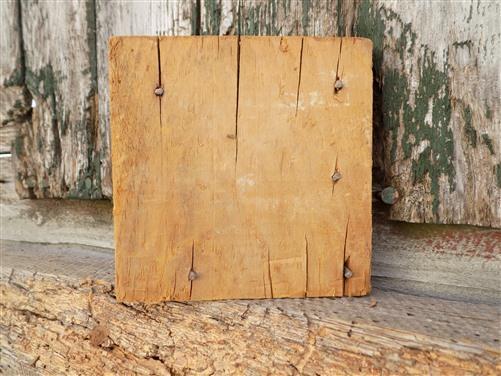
(444, 261)
(145, 17)
(49, 321)
(251, 200)
(13, 105)
(57, 151)
(440, 121)
(338, 123)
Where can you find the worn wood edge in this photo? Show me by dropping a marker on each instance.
(52, 323)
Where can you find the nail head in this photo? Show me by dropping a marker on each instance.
(336, 176)
(159, 91)
(389, 195)
(338, 85)
(347, 272)
(192, 275)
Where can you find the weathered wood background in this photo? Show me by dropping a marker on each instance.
(437, 115)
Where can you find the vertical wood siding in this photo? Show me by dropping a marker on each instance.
(437, 88)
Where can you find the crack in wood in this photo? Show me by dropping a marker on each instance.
(299, 75)
(337, 65)
(159, 78)
(344, 253)
(269, 274)
(306, 249)
(237, 101)
(335, 170)
(192, 270)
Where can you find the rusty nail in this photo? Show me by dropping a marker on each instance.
(347, 272)
(389, 195)
(338, 85)
(192, 275)
(159, 91)
(336, 176)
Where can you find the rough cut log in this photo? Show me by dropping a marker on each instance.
(58, 325)
(437, 69)
(149, 17)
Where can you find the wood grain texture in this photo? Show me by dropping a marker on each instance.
(441, 115)
(13, 105)
(57, 325)
(57, 151)
(146, 17)
(234, 185)
(441, 154)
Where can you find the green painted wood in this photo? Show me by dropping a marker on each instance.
(437, 83)
(436, 116)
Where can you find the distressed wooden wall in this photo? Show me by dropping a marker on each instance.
(437, 87)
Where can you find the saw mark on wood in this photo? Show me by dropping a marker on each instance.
(299, 75)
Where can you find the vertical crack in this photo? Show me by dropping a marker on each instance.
(159, 78)
(173, 294)
(192, 270)
(344, 250)
(237, 100)
(337, 65)
(306, 249)
(299, 78)
(269, 275)
(335, 170)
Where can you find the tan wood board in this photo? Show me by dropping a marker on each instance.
(226, 178)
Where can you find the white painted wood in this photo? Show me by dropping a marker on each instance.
(440, 59)
(150, 17)
(12, 101)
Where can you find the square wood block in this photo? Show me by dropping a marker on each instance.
(241, 167)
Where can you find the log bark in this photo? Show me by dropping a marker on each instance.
(58, 325)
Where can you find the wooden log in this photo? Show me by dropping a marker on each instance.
(437, 67)
(55, 325)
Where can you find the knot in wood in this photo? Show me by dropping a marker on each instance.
(338, 85)
(192, 275)
(159, 91)
(336, 176)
